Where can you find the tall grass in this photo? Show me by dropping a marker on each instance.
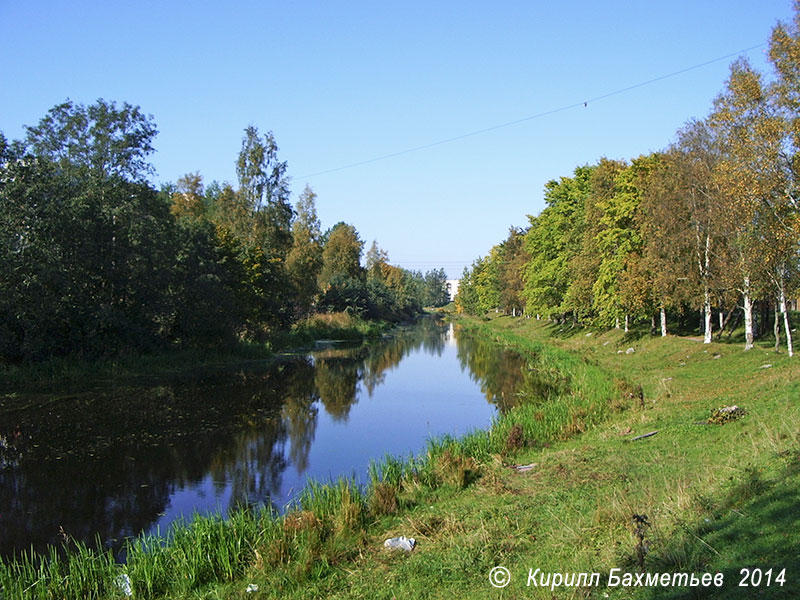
(80, 574)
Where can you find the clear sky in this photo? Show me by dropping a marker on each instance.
(341, 83)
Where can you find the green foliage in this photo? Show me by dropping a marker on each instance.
(341, 256)
(435, 293)
(105, 140)
(304, 260)
(95, 262)
(344, 294)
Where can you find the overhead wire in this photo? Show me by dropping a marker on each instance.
(581, 103)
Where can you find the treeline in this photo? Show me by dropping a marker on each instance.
(709, 224)
(94, 260)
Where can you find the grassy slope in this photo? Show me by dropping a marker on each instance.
(718, 498)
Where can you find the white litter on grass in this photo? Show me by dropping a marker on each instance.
(123, 582)
(523, 468)
(402, 543)
(251, 587)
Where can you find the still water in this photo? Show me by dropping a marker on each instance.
(118, 459)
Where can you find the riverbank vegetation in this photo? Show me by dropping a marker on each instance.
(717, 496)
(338, 326)
(96, 263)
(706, 229)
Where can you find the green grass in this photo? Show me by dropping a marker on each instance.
(718, 498)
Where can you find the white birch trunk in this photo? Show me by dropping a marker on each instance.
(704, 268)
(721, 322)
(786, 326)
(748, 315)
(663, 321)
(616, 325)
(626, 323)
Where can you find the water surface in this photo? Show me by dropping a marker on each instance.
(114, 460)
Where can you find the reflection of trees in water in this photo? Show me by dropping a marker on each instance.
(429, 334)
(503, 375)
(339, 371)
(107, 461)
(336, 381)
(255, 469)
(299, 415)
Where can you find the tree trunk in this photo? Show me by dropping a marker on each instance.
(724, 324)
(626, 323)
(721, 323)
(663, 312)
(748, 315)
(707, 317)
(776, 327)
(786, 326)
(616, 324)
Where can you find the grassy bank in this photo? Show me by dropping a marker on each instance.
(718, 498)
(328, 326)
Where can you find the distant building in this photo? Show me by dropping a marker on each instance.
(452, 288)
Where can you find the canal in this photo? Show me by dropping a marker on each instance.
(113, 459)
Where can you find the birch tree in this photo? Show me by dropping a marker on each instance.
(694, 157)
(784, 53)
(745, 174)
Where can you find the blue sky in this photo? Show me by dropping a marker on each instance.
(346, 82)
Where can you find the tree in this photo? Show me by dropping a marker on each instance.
(106, 140)
(376, 259)
(341, 255)
(632, 279)
(342, 278)
(304, 260)
(188, 199)
(610, 236)
(553, 240)
(90, 243)
(435, 292)
(784, 52)
(666, 261)
(751, 138)
(466, 299)
(264, 187)
(512, 267)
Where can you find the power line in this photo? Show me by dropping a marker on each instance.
(582, 103)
